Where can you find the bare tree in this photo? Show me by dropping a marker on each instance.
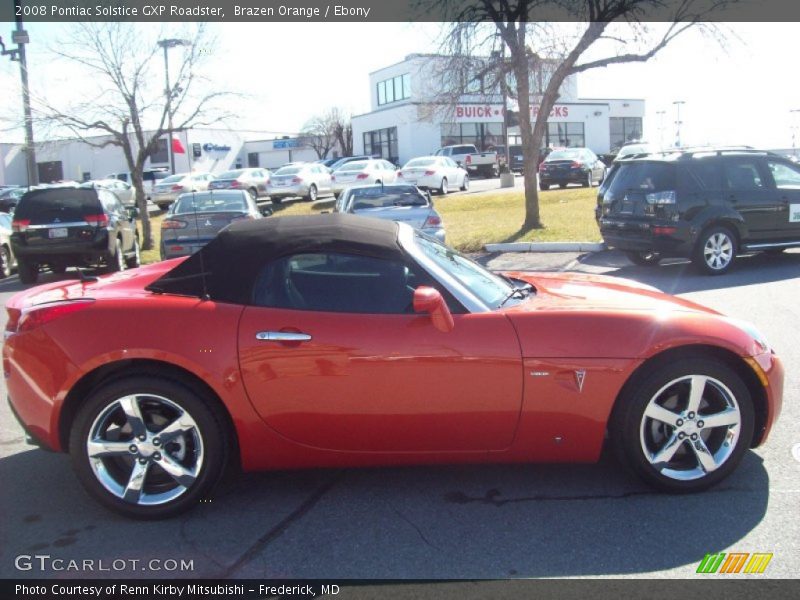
(319, 133)
(343, 131)
(492, 44)
(126, 106)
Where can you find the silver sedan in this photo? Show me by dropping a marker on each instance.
(306, 180)
(393, 202)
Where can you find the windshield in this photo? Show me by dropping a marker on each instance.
(231, 174)
(642, 176)
(491, 289)
(420, 162)
(365, 198)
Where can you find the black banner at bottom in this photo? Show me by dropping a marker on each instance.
(516, 589)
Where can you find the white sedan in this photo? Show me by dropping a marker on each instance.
(434, 173)
(363, 172)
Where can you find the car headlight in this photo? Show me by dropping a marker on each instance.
(752, 331)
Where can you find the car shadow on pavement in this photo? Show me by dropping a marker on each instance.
(490, 521)
(676, 276)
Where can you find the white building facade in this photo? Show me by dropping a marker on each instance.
(411, 117)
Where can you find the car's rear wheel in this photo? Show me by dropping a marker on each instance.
(544, 186)
(253, 193)
(312, 193)
(443, 189)
(644, 259)
(147, 447)
(715, 252)
(136, 258)
(116, 261)
(589, 181)
(684, 427)
(276, 201)
(562, 185)
(465, 184)
(28, 272)
(5, 262)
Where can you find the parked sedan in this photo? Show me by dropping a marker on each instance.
(306, 180)
(338, 341)
(253, 181)
(363, 172)
(121, 189)
(167, 190)
(438, 173)
(196, 218)
(8, 261)
(395, 202)
(573, 165)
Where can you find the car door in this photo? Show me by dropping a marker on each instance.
(333, 357)
(749, 192)
(786, 179)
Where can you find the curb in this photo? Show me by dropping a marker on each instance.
(546, 247)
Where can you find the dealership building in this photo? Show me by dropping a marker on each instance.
(412, 114)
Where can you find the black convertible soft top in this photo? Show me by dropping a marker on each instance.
(232, 260)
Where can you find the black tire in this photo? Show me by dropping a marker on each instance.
(162, 251)
(115, 261)
(28, 273)
(562, 185)
(312, 193)
(253, 193)
(58, 268)
(443, 189)
(465, 184)
(276, 201)
(644, 259)
(5, 262)
(715, 251)
(135, 260)
(163, 207)
(205, 442)
(638, 439)
(544, 186)
(494, 171)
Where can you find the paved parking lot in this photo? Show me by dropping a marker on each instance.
(451, 522)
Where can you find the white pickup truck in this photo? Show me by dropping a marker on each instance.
(467, 156)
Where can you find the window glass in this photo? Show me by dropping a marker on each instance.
(389, 91)
(707, 173)
(642, 177)
(388, 196)
(487, 286)
(742, 175)
(786, 177)
(337, 283)
(381, 92)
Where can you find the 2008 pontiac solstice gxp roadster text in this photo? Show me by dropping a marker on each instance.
(335, 340)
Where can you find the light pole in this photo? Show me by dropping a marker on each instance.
(20, 38)
(678, 122)
(166, 45)
(793, 126)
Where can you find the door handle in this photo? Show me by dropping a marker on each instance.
(282, 336)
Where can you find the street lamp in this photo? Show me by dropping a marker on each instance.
(793, 127)
(678, 122)
(661, 114)
(20, 37)
(166, 45)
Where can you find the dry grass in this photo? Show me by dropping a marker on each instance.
(473, 220)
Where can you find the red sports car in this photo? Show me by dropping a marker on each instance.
(336, 340)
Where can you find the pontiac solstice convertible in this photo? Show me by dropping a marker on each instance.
(336, 340)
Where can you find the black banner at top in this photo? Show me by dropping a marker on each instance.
(335, 11)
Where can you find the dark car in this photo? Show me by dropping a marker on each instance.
(572, 165)
(706, 205)
(194, 219)
(9, 197)
(70, 226)
(515, 157)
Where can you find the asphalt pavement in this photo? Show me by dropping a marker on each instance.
(446, 522)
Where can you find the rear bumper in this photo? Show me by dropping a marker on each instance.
(74, 252)
(639, 236)
(287, 191)
(578, 176)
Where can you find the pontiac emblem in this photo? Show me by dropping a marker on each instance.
(580, 375)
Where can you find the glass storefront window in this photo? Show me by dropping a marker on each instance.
(624, 130)
(382, 143)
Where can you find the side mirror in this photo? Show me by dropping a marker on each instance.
(430, 301)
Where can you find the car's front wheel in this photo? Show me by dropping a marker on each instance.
(465, 184)
(443, 189)
(685, 426)
(5, 262)
(312, 193)
(136, 257)
(147, 447)
(116, 261)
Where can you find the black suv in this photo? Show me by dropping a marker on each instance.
(708, 205)
(72, 226)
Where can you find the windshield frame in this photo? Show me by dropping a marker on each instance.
(407, 236)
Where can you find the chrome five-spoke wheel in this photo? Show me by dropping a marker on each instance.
(683, 425)
(149, 447)
(145, 449)
(715, 251)
(690, 427)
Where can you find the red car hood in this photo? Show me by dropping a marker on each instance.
(578, 291)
